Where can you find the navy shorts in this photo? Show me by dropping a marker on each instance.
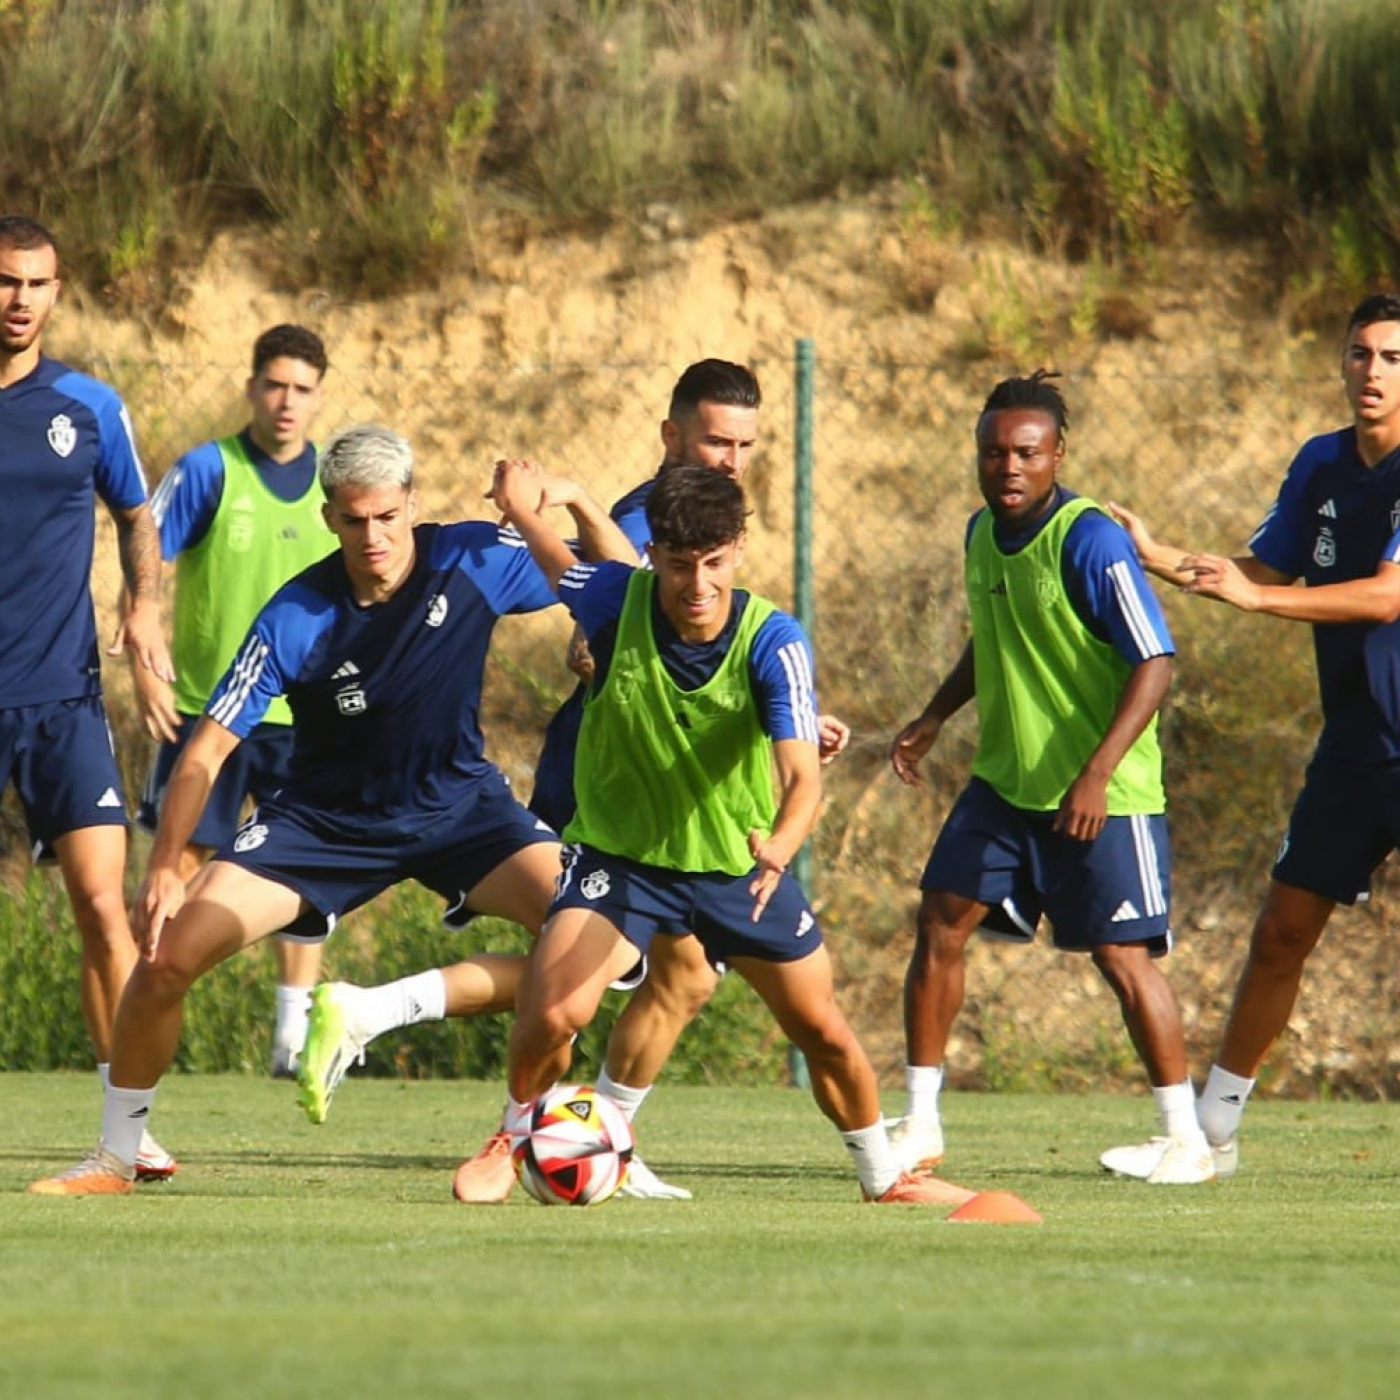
(1114, 889)
(642, 901)
(59, 756)
(335, 872)
(1342, 827)
(257, 768)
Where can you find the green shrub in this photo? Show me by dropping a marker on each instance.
(370, 139)
(228, 1013)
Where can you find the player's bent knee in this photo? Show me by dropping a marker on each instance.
(1282, 942)
(555, 1023)
(165, 980)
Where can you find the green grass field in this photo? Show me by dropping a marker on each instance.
(287, 1260)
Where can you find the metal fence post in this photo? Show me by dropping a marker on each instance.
(803, 585)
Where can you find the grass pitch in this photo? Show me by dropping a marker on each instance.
(287, 1260)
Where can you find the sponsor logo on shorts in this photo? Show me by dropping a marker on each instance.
(437, 610)
(109, 799)
(805, 924)
(250, 838)
(595, 884)
(1125, 912)
(62, 435)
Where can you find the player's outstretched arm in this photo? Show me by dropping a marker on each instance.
(518, 488)
(1162, 560)
(1373, 599)
(918, 737)
(162, 892)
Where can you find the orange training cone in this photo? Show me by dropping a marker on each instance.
(997, 1208)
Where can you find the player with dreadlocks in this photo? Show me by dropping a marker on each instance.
(1069, 662)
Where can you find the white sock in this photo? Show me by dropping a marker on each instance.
(1176, 1105)
(289, 1022)
(104, 1072)
(873, 1158)
(517, 1118)
(410, 1000)
(1222, 1104)
(628, 1099)
(124, 1116)
(925, 1083)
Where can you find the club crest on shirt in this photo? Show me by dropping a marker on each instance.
(1395, 517)
(351, 700)
(62, 435)
(1325, 550)
(437, 610)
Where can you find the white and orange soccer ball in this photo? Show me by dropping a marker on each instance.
(574, 1149)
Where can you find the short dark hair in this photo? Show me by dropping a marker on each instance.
(696, 508)
(17, 231)
(714, 381)
(1383, 306)
(1032, 391)
(289, 342)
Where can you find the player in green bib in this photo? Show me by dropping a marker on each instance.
(239, 516)
(700, 693)
(1069, 662)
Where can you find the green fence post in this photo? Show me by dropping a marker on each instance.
(803, 587)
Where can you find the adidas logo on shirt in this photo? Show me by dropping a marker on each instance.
(109, 799)
(348, 669)
(1125, 912)
(1329, 509)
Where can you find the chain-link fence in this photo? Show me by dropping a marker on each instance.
(1195, 445)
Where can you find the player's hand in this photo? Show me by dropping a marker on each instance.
(141, 635)
(1083, 810)
(530, 487)
(517, 486)
(1215, 577)
(1138, 532)
(910, 745)
(832, 737)
(768, 873)
(155, 704)
(160, 897)
(579, 659)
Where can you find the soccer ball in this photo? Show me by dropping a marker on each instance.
(574, 1149)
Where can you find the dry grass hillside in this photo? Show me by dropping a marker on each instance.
(1188, 391)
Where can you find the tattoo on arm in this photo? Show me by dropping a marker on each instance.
(138, 542)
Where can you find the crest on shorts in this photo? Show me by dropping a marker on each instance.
(595, 884)
(250, 838)
(62, 435)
